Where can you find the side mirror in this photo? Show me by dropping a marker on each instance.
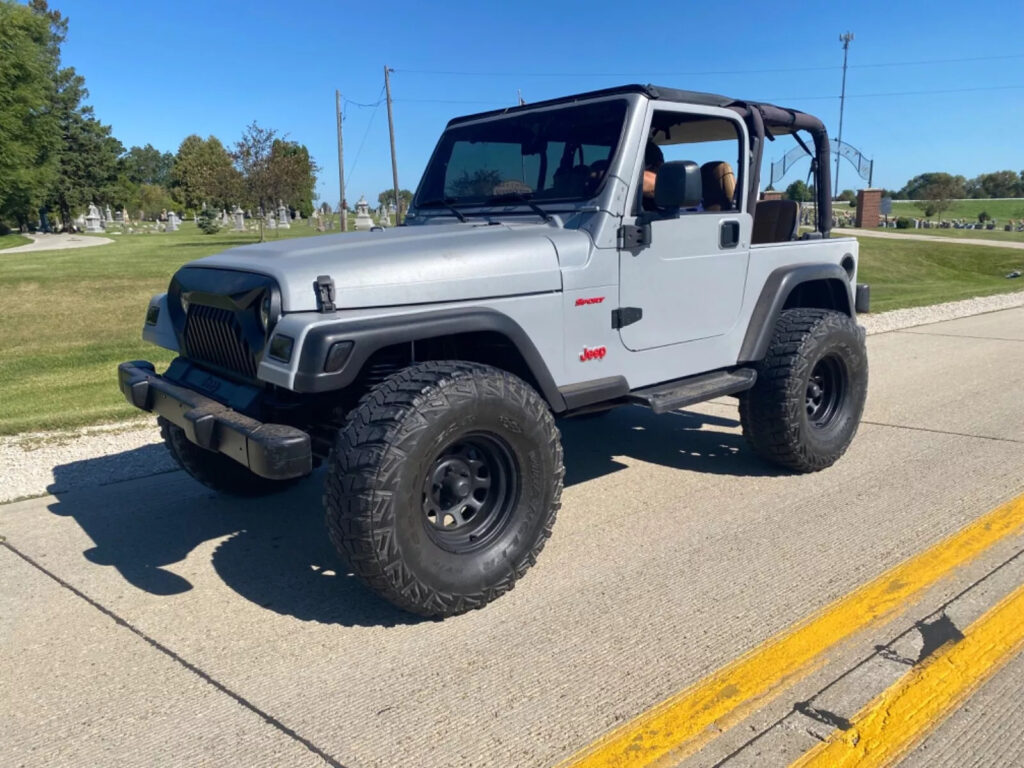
(678, 185)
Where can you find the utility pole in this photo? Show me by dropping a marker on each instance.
(845, 40)
(343, 206)
(391, 130)
(519, 93)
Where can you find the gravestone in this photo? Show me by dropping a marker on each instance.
(239, 219)
(172, 222)
(271, 224)
(92, 219)
(363, 219)
(283, 217)
(108, 216)
(383, 217)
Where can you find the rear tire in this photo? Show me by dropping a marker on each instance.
(215, 470)
(806, 405)
(443, 486)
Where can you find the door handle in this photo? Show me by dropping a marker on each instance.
(729, 234)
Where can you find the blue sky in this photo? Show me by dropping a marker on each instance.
(160, 71)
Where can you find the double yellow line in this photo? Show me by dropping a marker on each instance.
(685, 722)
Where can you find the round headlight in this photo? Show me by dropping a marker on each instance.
(265, 311)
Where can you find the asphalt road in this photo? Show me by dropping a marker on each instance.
(151, 622)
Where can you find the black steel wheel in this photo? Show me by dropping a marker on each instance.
(443, 486)
(805, 407)
(470, 492)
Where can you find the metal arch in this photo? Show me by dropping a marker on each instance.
(864, 166)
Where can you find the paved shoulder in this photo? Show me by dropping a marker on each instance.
(930, 238)
(57, 242)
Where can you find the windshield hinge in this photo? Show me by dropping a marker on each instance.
(632, 236)
(324, 286)
(624, 316)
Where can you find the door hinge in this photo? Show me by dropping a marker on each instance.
(324, 286)
(633, 236)
(624, 316)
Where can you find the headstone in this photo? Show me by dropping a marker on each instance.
(271, 224)
(383, 218)
(172, 222)
(92, 219)
(363, 218)
(108, 217)
(283, 217)
(239, 218)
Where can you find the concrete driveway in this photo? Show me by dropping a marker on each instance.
(150, 622)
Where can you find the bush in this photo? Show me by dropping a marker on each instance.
(904, 223)
(208, 223)
(983, 217)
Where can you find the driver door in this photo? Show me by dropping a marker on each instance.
(688, 281)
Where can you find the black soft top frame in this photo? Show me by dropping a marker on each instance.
(764, 121)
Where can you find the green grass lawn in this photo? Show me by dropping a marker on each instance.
(69, 317)
(11, 241)
(1001, 210)
(914, 273)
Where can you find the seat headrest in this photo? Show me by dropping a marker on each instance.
(719, 185)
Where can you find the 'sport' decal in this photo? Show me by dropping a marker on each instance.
(593, 353)
(590, 300)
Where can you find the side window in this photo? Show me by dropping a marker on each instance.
(713, 143)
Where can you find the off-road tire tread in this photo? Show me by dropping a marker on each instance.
(766, 409)
(216, 471)
(357, 501)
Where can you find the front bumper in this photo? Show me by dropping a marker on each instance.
(274, 451)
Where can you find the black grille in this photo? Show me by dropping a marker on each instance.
(214, 335)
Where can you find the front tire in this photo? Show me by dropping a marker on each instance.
(806, 405)
(443, 486)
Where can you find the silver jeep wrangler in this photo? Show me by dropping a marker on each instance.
(559, 259)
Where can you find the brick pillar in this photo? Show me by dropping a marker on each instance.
(869, 205)
(771, 194)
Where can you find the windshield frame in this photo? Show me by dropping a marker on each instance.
(498, 206)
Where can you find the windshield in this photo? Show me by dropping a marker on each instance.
(557, 154)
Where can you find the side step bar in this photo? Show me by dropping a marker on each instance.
(662, 398)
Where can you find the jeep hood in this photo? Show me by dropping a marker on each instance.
(407, 265)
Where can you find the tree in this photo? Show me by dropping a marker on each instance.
(848, 195)
(204, 172)
(798, 191)
(916, 188)
(148, 165)
(387, 198)
(1000, 184)
(87, 160)
(29, 133)
(275, 170)
(938, 194)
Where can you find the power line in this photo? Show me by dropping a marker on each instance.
(698, 73)
(366, 133)
(899, 93)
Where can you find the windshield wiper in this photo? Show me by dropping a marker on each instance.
(445, 203)
(521, 197)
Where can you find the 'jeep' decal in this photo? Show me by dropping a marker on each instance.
(593, 353)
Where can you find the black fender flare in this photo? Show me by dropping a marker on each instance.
(369, 335)
(776, 290)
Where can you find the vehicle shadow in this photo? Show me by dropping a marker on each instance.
(676, 440)
(274, 551)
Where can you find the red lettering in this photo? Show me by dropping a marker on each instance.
(593, 353)
(591, 300)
